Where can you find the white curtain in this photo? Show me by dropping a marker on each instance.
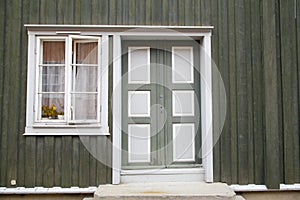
(86, 81)
(53, 76)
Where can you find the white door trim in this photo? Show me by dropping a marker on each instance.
(206, 98)
(206, 108)
(117, 111)
(163, 175)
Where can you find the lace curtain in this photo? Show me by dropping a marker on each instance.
(84, 84)
(85, 75)
(53, 79)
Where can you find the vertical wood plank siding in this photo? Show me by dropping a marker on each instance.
(255, 46)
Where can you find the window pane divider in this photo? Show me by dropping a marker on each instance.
(52, 65)
(51, 92)
(84, 92)
(77, 122)
(86, 65)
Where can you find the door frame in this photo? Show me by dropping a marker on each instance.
(175, 32)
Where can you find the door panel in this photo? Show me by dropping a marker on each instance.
(183, 142)
(182, 64)
(139, 143)
(138, 103)
(138, 65)
(183, 103)
(161, 98)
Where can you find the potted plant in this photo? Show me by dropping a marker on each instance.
(60, 115)
(49, 112)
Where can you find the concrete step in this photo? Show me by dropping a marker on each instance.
(166, 191)
(239, 197)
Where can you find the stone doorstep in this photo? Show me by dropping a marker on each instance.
(166, 190)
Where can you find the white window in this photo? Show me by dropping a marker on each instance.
(67, 90)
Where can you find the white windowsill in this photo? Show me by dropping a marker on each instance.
(56, 130)
(66, 126)
(64, 134)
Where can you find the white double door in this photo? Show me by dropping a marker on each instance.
(161, 104)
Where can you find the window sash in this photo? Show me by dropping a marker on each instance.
(67, 93)
(41, 65)
(73, 41)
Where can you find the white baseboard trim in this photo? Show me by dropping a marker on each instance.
(250, 187)
(262, 188)
(90, 190)
(42, 190)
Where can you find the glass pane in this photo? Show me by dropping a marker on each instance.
(53, 52)
(87, 52)
(52, 106)
(53, 78)
(85, 79)
(84, 106)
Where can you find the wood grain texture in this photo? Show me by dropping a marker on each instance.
(242, 101)
(66, 165)
(258, 107)
(3, 165)
(232, 98)
(271, 70)
(289, 86)
(22, 91)
(298, 53)
(224, 71)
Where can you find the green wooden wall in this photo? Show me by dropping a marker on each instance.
(255, 45)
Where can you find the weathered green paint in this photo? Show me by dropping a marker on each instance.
(232, 90)
(161, 88)
(298, 52)
(255, 45)
(289, 86)
(271, 70)
(224, 69)
(256, 60)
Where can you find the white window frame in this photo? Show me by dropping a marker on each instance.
(67, 126)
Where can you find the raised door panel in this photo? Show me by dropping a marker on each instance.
(139, 65)
(183, 103)
(183, 142)
(139, 103)
(138, 143)
(182, 65)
